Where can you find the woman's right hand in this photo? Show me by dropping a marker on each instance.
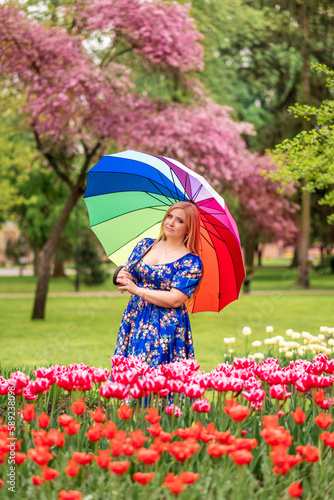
(124, 274)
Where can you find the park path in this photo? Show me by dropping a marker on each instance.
(118, 294)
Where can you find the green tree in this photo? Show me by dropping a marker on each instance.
(308, 158)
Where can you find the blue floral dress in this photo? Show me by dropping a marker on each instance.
(158, 335)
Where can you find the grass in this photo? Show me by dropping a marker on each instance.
(264, 279)
(81, 329)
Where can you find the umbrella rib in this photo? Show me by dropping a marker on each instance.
(197, 192)
(133, 238)
(172, 194)
(155, 198)
(228, 249)
(173, 174)
(131, 212)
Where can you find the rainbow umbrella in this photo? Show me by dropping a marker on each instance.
(127, 196)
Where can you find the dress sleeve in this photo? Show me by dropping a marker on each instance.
(138, 250)
(188, 276)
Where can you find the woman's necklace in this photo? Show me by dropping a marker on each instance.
(169, 251)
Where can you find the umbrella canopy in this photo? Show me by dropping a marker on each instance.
(127, 196)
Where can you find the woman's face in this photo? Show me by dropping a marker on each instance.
(176, 224)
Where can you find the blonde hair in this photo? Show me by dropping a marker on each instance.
(192, 239)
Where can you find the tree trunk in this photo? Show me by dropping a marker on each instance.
(47, 252)
(58, 270)
(250, 246)
(304, 240)
(304, 236)
(294, 261)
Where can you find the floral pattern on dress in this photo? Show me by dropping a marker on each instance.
(158, 335)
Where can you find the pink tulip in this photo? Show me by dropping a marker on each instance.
(194, 391)
(114, 390)
(202, 405)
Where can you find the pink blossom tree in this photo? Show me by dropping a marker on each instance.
(265, 212)
(81, 100)
(207, 139)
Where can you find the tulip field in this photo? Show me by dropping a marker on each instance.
(247, 429)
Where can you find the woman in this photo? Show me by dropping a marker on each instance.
(155, 326)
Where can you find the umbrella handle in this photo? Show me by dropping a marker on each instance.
(116, 273)
(118, 269)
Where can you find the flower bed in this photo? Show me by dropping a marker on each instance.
(246, 429)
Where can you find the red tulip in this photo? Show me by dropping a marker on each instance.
(217, 450)
(119, 468)
(64, 419)
(147, 456)
(189, 477)
(40, 455)
(153, 417)
(295, 490)
(327, 438)
(43, 420)
(319, 396)
(109, 429)
(298, 416)
(323, 420)
(95, 432)
(309, 452)
(98, 415)
(72, 468)
(49, 474)
(238, 412)
(78, 407)
(143, 477)
(37, 480)
(56, 437)
(29, 412)
(72, 428)
(82, 457)
(175, 487)
(137, 438)
(20, 457)
(124, 412)
(241, 457)
(69, 495)
(103, 458)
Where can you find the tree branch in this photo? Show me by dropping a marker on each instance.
(108, 58)
(52, 161)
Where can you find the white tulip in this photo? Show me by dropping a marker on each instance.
(258, 355)
(295, 335)
(256, 343)
(269, 329)
(246, 330)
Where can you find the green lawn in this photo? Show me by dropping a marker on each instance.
(82, 329)
(265, 278)
(27, 284)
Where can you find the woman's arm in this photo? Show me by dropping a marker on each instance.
(162, 298)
